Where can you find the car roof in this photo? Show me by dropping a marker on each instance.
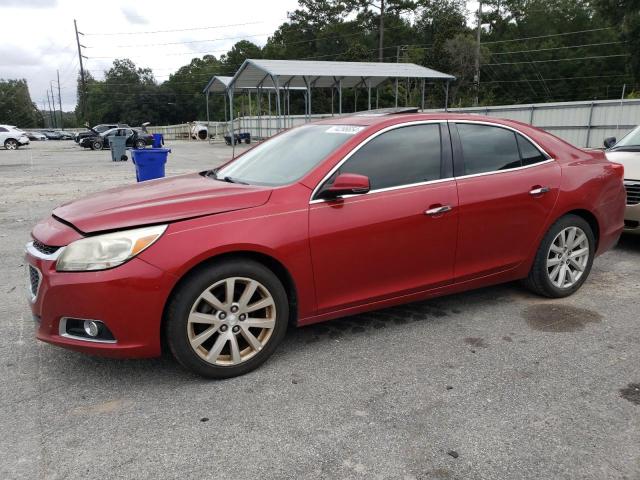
(549, 142)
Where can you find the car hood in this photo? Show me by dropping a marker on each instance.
(630, 161)
(159, 201)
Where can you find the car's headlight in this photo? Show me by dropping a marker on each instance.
(107, 251)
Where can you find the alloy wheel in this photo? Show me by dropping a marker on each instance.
(568, 257)
(231, 321)
(11, 145)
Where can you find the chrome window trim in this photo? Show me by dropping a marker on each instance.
(515, 130)
(506, 170)
(34, 252)
(362, 144)
(440, 180)
(62, 331)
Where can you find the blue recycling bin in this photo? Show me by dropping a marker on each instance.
(158, 140)
(149, 162)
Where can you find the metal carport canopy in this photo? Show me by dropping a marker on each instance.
(319, 74)
(220, 84)
(217, 84)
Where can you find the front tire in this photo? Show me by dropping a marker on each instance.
(11, 144)
(226, 319)
(140, 144)
(564, 258)
(96, 145)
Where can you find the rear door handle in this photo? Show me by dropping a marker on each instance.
(437, 210)
(539, 190)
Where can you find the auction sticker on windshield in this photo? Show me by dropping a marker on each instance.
(345, 129)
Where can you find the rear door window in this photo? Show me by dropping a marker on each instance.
(486, 148)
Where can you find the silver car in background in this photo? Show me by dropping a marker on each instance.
(12, 137)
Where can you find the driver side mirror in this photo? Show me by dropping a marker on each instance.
(346, 184)
(609, 142)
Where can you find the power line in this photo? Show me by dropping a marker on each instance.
(559, 59)
(185, 42)
(105, 34)
(547, 36)
(557, 48)
(585, 77)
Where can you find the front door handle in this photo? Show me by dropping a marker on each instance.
(438, 210)
(538, 190)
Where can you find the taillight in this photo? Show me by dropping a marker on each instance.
(619, 168)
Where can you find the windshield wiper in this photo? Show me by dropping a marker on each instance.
(234, 180)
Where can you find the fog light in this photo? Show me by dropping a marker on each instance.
(91, 328)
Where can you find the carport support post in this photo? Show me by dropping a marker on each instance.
(377, 97)
(369, 93)
(276, 86)
(446, 97)
(332, 93)
(422, 102)
(340, 96)
(208, 135)
(269, 117)
(396, 89)
(233, 138)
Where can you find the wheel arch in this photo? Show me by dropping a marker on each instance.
(590, 218)
(268, 261)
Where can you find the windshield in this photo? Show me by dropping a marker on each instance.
(289, 156)
(631, 139)
(101, 128)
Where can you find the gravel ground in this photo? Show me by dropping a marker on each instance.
(491, 384)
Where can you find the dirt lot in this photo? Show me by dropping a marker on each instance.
(494, 383)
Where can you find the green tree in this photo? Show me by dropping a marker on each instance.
(16, 107)
(626, 15)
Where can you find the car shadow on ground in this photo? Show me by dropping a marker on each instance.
(629, 243)
(165, 370)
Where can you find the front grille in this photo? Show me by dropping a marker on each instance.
(46, 249)
(633, 192)
(34, 281)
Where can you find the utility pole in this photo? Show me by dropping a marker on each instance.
(53, 101)
(44, 109)
(476, 76)
(60, 100)
(381, 33)
(84, 85)
(49, 102)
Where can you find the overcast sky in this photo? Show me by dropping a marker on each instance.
(42, 39)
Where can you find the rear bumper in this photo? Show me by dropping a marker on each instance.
(129, 299)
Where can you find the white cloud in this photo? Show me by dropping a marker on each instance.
(44, 40)
(30, 3)
(133, 16)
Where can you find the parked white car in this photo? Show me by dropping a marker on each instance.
(12, 137)
(627, 152)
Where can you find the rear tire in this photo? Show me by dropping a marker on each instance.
(11, 144)
(140, 144)
(97, 145)
(564, 258)
(210, 304)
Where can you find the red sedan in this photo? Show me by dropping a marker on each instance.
(322, 221)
